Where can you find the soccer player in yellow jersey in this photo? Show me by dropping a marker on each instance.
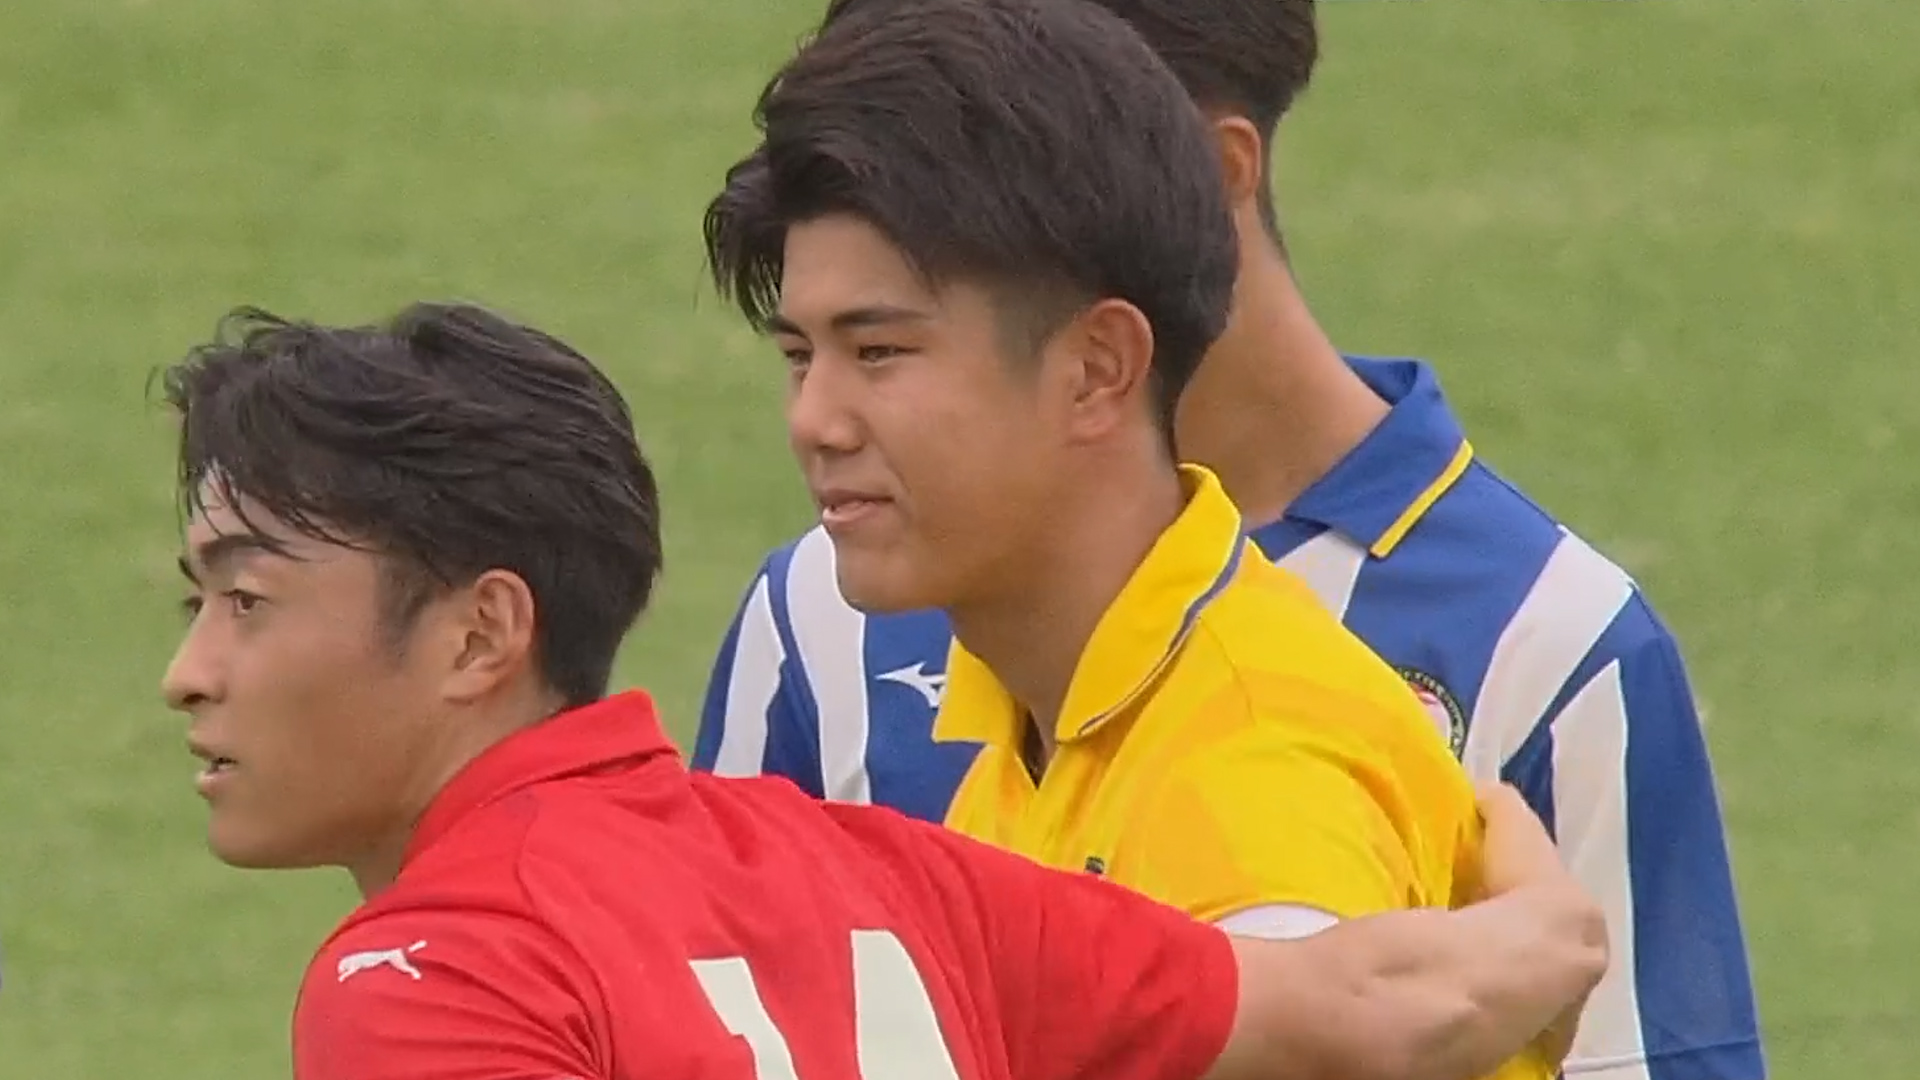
(991, 273)
(1222, 744)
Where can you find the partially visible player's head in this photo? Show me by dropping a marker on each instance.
(396, 537)
(993, 242)
(1244, 61)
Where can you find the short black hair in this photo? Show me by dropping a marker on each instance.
(1250, 58)
(449, 441)
(1033, 147)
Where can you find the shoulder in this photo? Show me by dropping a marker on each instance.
(1492, 562)
(1556, 611)
(1268, 624)
(432, 938)
(1487, 514)
(1300, 693)
(500, 865)
(1572, 587)
(435, 972)
(1292, 669)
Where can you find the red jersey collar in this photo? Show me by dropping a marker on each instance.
(624, 728)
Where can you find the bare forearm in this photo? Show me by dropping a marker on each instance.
(1415, 995)
(1490, 979)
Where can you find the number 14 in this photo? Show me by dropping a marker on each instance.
(898, 1034)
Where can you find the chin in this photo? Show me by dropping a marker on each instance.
(253, 849)
(877, 590)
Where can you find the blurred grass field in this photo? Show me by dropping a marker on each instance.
(1664, 253)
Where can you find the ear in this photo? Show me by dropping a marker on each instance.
(1110, 361)
(1243, 158)
(495, 620)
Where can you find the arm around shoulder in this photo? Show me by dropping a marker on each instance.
(1413, 995)
(1428, 995)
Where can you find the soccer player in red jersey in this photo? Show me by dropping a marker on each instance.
(412, 551)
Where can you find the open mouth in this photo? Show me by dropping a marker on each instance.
(847, 509)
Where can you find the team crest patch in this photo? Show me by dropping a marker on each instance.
(1441, 705)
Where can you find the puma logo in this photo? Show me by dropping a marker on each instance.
(354, 963)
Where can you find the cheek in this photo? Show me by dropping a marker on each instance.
(948, 429)
(328, 728)
(981, 487)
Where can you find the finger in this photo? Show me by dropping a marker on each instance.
(1500, 801)
(1512, 824)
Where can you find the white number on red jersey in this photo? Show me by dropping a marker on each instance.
(898, 1033)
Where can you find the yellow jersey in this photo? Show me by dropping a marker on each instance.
(1225, 745)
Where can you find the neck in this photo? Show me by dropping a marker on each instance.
(1032, 630)
(447, 746)
(374, 871)
(1274, 407)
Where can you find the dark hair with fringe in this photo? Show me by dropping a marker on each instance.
(1035, 148)
(1249, 58)
(448, 442)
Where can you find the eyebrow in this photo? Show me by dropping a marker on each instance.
(853, 319)
(221, 551)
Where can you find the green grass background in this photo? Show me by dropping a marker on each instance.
(1665, 254)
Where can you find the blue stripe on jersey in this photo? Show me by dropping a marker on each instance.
(1537, 653)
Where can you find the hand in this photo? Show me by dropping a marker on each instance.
(1517, 853)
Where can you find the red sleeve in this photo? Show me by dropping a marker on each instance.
(442, 995)
(1092, 979)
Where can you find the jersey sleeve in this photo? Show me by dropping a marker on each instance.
(1619, 766)
(444, 995)
(755, 718)
(1350, 814)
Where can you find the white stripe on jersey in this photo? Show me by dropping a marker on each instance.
(1330, 564)
(1589, 775)
(832, 640)
(1572, 602)
(755, 679)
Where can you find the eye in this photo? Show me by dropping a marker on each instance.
(873, 354)
(190, 607)
(242, 601)
(798, 356)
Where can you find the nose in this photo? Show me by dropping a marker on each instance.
(823, 412)
(190, 680)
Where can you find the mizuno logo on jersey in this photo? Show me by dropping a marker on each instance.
(915, 677)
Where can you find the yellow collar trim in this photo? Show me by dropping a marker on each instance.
(1456, 468)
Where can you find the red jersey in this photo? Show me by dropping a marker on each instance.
(575, 906)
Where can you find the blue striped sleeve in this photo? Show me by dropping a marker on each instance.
(1619, 767)
(755, 720)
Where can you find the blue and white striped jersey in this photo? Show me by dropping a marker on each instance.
(1538, 656)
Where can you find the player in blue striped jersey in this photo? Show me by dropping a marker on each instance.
(1536, 655)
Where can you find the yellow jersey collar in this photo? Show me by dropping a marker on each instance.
(1135, 639)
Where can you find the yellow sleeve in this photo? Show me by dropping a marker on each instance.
(1290, 811)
